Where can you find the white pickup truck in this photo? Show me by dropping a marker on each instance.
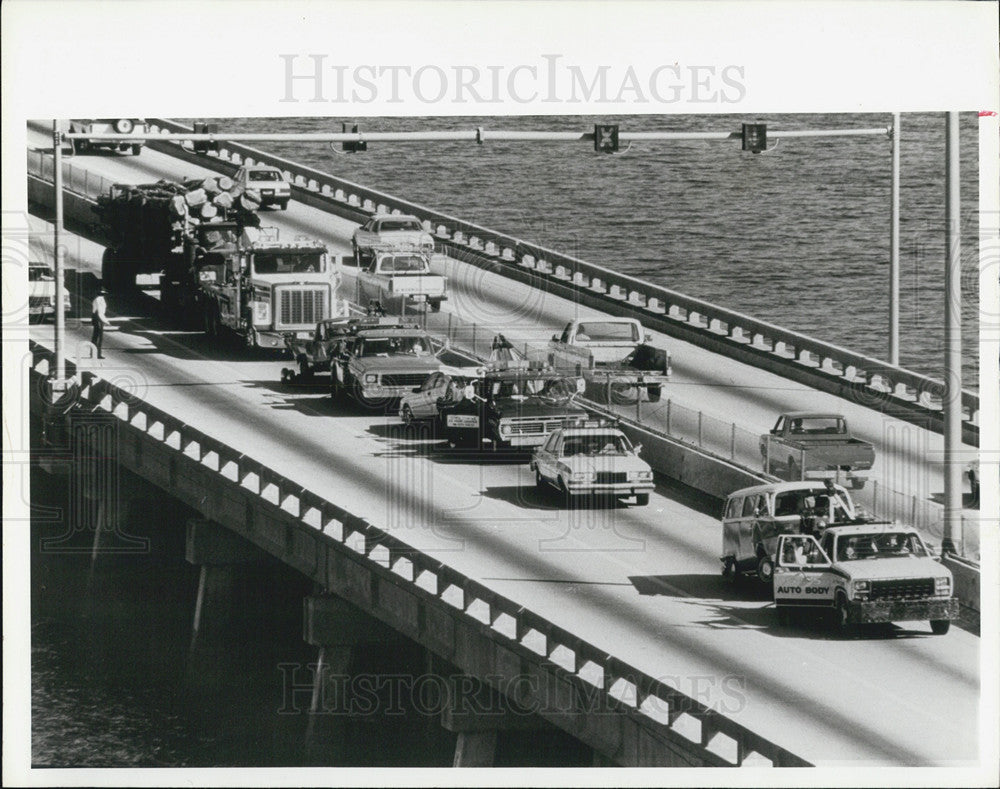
(874, 572)
(614, 357)
(395, 278)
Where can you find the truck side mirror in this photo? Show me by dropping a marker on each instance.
(647, 337)
(555, 338)
(637, 449)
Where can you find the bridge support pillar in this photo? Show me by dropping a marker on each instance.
(477, 713)
(220, 553)
(336, 627)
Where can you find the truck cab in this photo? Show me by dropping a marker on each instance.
(517, 406)
(267, 290)
(861, 574)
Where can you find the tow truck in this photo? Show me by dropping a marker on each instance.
(863, 573)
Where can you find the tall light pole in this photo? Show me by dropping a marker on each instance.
(953, 343)
(894, 248)
(57, 228)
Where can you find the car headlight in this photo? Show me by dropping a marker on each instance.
(640, 476)
(504, 429)
(942, 585)
(583, 476)
(862, 586)
(371, 378)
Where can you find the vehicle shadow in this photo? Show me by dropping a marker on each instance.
(534, 497)
(699, 585)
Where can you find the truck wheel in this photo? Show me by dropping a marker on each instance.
(540, 482)
(765, 569)
(655, 393)
(435, 305)
(622, 394)
(283, 205)
(249, 335)
(940, 626)
(641, 499)
(336, 390)
(729, 571)
(857, 484)
(136, 150)
(305, 370)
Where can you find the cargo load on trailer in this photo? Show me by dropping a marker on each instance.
(217, 267)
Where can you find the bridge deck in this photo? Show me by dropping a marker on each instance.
(642, 582)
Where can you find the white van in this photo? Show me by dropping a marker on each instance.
(753, 518)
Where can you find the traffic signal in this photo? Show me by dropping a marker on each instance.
(353, 147)
(606, 138)
(755, 137)
(205, 146)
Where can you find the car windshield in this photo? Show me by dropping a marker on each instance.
(608, 331)
(811, 502)
(39, 273)
(264, 175)
(816, 425)
(396, 225)
(556, 389)
(401, 263)
(880, 545)
(416, 345)
(596, 444)
(288, 263)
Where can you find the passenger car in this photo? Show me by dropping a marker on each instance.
(98, 126)
(591, 458)
(391, 231)
(42, 292)
(422, 402)
(864, 573)
(268, 182)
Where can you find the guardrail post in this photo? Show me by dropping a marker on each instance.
(473, 339)
(668, 417)
(700, 416)
(449, 326)
(732, 442)
(874, 498)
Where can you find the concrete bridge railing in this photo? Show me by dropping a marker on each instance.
(742, 337)
(631, 717)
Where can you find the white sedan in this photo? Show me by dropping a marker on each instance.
(267, 182)
(592, 459)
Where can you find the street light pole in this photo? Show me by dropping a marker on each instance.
(894, 248)
(953, 343)
(57, 229)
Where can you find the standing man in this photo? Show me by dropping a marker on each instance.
(99, 319)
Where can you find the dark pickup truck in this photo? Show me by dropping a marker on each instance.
(811, 445)
(313, 355)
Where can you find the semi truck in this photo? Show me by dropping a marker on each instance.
(218, 269)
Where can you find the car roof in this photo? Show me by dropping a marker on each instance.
(782, 487)
(590, 431)
(395, 216)
(817, 414)
(392, 332)
(873, 527)
(261, 167)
